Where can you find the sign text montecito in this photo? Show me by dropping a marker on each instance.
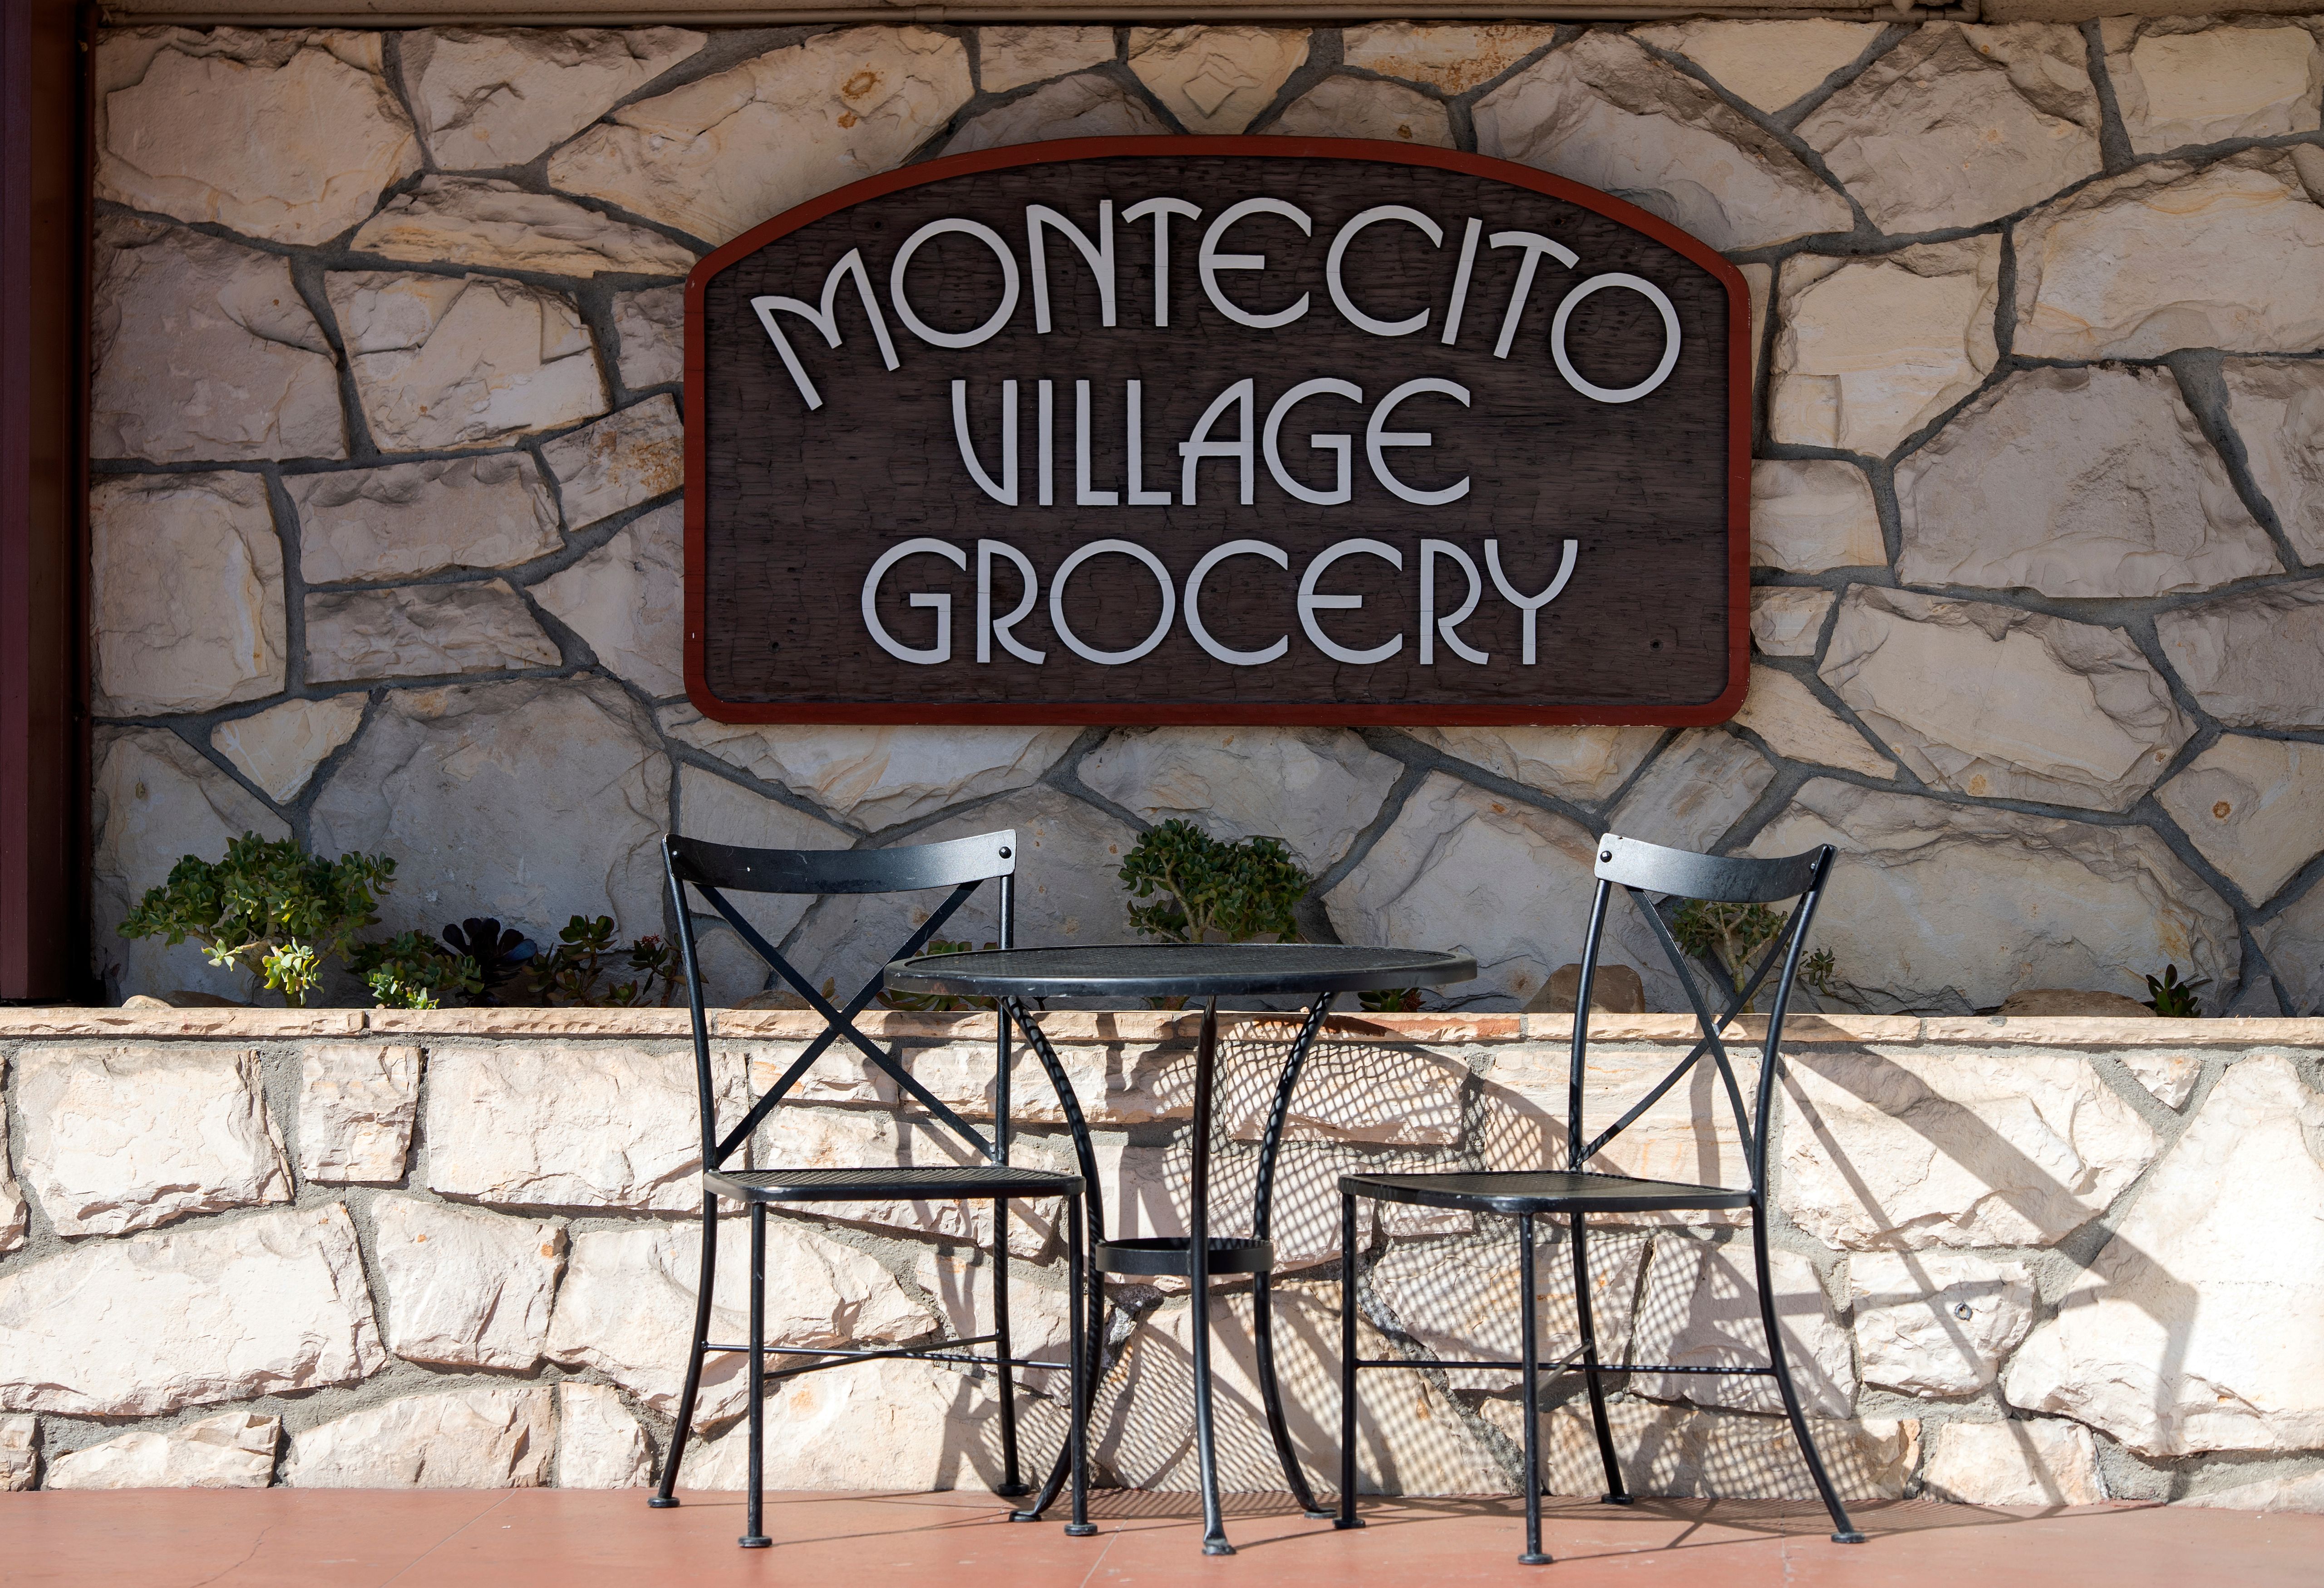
(1219, 430)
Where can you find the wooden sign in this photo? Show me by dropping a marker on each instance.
(1216, 430)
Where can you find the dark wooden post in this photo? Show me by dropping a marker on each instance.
(43, 715)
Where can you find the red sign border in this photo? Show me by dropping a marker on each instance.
(1741, 363)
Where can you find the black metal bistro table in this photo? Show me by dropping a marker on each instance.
(1316, 972)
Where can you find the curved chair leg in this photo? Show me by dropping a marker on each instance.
(754, 1532)
(1615, 1493)
(1270, 1395)
(662, 1497)
(1347, 1516)
(1078, 1374)
(1529, 1353)
(1011, 1486)
(1843, 1531)
(1088, 1350)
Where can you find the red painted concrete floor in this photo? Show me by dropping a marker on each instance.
(175, 1539)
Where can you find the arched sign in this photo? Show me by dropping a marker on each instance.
(1216, 429)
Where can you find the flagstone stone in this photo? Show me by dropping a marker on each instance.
(1700, 784)
(1788, 621)
(838, 106)
(889, 1425)
(2255, 660)
(2277, 409)
(235, 1450)
(410, 520)
(1459, 1298)
(1010, 58)
(2248, 79)
(1216, 79)
(632, 457)
(2253, 807)
(186, 593)
(1701, 1308)
(1090, 105)
(1604, 113)
(464, 1288)
(599, 1444)
(1796, 726)
(1680, 1452)
(20, 1447)
(498, 226)
(2076, 482)
(1812, 514)
(2037, 1462)
(491, 97)
(1359, 107)
(1998, 703)
(472, 1438)
(1768, 64)
(1315, 789)
(1452, 57)
(651, 327)
(625, 599)
(1585, 766)
(1937, 1323)
(201, 349)
(279, 748)
(2293, 941)
(1960, 124)
(356, 1103)
(422, 631)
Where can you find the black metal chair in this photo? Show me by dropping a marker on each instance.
(963, 865)
(1642, 870)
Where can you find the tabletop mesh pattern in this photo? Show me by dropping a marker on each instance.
(977, 1179)
(1542, 1190)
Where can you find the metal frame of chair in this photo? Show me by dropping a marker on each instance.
(1643, 871)
(963, 865)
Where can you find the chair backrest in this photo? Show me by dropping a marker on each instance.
(715, 869)
(1649, 874)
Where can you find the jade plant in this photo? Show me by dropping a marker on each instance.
(1210, 891)
(2173, 999)
(1731, 936)
(268, 908)
(413, 971)
(576, 970)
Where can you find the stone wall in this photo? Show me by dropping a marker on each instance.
(386, 534)
(2020, 1261)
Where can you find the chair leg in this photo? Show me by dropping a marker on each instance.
(1347, 1516)
(1082, 1386)
(1270, 1395)
(1012, 1486)
(1085, 1348)
(1529, 1353)
(663, 1497)
(1843, 1531)
(755, 1534)
(1615, 1493)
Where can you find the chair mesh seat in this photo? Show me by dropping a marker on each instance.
(851, 1185)
(1523, 1191)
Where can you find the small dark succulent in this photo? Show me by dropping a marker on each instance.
(2172, 998)
(501, 955)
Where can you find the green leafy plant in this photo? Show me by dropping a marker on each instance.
(268, 908)
(1821, 971)
(1211, 892)
(500, 955)
(413, 971)
(1731, 936)
(2173, 999)
(1390, 1000)
(584, 956)
(934, 1002)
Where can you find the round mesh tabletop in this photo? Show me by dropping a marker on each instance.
(1192, 970)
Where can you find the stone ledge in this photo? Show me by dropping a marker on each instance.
(1105, 1026)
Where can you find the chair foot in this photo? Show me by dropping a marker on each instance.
(1081, 1529)
(755, 1541)
(1616, 1499)
(1024, 1516)
(1217, 1546)
(1535, 1560)
(658, 1503)
(1320, 1516)
(1014, 1490)
(1848, 1537)
(1344, 1523)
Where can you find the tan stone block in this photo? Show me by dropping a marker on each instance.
(1960, 124)
(625, 599)
(472, 1437)
(2256, 80)
(1696, 788)
(2254, 660)
(409, 520)
(530, 800)
(2301, 1491)
(444, 362)
(1085, 106)
(1996, 702)
(279, 748)
(499, 97)
(1870, 351)
(1769, 64)
(1458, 1299)
(599, 1444)
(2077, 482)
(186, 593)
(841, 105)
(157, 1322)
(889, 1425)
(286, 135)
(235, 1450)
(1811, 515)
(1453, 57)
(464, 1288)
(2169, 1077)
(1788, 621)
(1604, 113)
(356, 1103)
(2172, 255)
(633, 456)
(1701, 1308)
(498, 226)
(1937, 1323)
(1314, 789)
(20, 1448)
(1942, 906)
(2186, 1332)
(1216, 79)
(1916, 1150)
(422, 631)
(1796, 726)
(121, 1138)
(2034, 1462)
(1010, 58)
(651, 327)
(202, 349)
(1359, 107)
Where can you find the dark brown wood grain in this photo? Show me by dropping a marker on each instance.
(789, 508)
